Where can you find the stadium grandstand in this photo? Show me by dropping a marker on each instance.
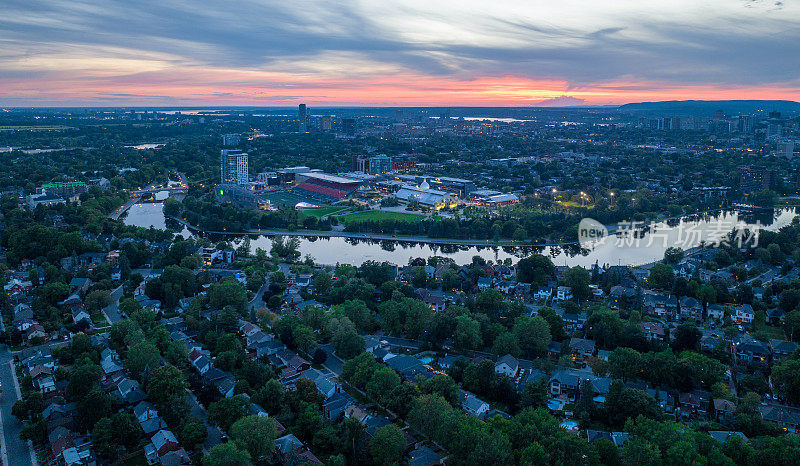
(324, 187)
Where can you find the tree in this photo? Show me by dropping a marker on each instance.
(193, 433)
(97, 299)
(467, 335)
(83, 378)
(786, 378)
(662, 276)
(227, 454)
(578, 280)
(346, 340)
(54, 292)
(533, 334)
(443, 386)
(535, 394)
(383, 381)
(673, 255)
(584, 405)
(506, 343)
(489, 301)
(165, 383)
(388, 445)
(687, 336)
(227, 292)
(625, 363)
(536, 269)
(359, 369)
(555, 322)
(227, 411)
(255, 434)
(640, 452)
(143, 358)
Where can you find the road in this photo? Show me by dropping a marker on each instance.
(257, 303)
(14, 451)
(333, 363)
(214, 433)
(112, 311)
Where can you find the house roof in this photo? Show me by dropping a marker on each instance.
(508, 360)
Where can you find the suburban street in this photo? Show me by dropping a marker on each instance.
(214, 432)
(111, 311)
(333, 363)
(14, 452)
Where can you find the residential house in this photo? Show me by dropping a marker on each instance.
(780, 349)
(471, 404)
(652, 331)
(581, 348)
(507, 365)
(563, 293)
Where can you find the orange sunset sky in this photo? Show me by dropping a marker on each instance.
(470, 53)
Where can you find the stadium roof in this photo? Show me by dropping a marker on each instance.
(331, 178)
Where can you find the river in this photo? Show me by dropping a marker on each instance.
(647, 247)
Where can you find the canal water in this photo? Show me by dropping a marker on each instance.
(638, 247)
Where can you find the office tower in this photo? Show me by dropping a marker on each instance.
(229, 140)
(756, 179)
(302, 116)
(745, 124)
(379, 165)
(325, 123)
(233, 167)
(349, 126)
(774, 130)
(786, 148)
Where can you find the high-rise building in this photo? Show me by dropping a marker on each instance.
(325, 123)
(302, 116)
(756, 179)
(745, 125)
(349, 126)
(379, 165)
(233, 167)
(786, 148)
(229, 140)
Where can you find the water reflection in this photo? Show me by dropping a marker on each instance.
(651, 241)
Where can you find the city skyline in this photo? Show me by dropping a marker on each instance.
(265, 53)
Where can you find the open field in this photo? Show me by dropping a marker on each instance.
(285, 198)
(378, 215)
(323, 211)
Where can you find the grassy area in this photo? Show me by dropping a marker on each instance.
(323, 211)
(379, 215)
(769, 331)
(284, 198)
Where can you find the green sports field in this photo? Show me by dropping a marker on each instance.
(378, 215)
(286, 199)
(323, 211)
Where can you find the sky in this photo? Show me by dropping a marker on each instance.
(395, 53)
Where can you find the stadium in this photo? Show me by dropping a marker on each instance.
(324, 188)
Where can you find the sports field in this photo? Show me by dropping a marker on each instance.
(378, 215)
(323, 211)
(286, 198)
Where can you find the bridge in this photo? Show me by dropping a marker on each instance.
(137, 194)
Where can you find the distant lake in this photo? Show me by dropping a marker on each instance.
(687, 232)
(501, 120)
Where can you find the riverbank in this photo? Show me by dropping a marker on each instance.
(371, 236)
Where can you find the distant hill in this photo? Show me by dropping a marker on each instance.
(708, 107)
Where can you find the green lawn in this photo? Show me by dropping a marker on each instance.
(378, 215)
(323, 211)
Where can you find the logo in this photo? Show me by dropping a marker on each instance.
(591, 232)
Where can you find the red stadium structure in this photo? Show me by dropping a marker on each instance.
(324, 186)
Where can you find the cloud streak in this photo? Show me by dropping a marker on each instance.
(410, 52)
